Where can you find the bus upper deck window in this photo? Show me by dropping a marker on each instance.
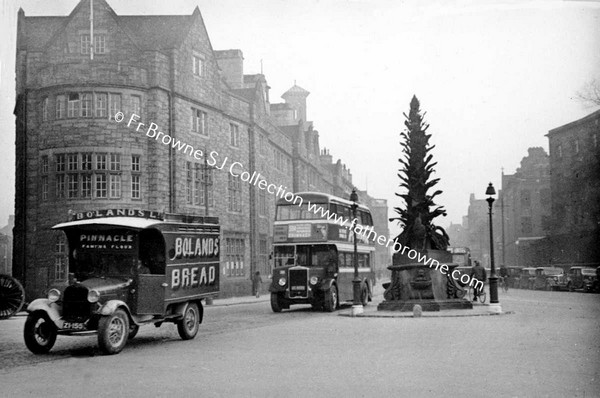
(283, 212)
(333, 209)
(294, 212)
(365, 218)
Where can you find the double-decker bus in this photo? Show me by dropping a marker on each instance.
(461, 256)
(313, 252)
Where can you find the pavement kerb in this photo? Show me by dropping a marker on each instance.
(391, 314)
(478, 310)
(246, 300)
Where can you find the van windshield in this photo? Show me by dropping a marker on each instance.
(87, 265)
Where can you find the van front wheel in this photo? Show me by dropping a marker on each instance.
(113, 331)
(39, 333)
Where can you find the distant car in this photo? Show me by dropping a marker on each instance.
(547, 278)
(526, 275)
(580, 278)
(514, 276)
(596, 282)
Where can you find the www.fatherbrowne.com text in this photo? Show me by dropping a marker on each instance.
(236, 169)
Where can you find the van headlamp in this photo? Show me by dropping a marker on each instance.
(93, 296)
(282, 281)
(53, 295)
(314, 280)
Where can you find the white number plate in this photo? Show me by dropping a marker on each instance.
(73, 325)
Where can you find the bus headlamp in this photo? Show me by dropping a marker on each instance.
(53, 295)
(93, 296)
(314, 280)
(282, 281)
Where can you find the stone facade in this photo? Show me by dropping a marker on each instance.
(575, 189)
(72, 155)
(478, 233)
(524, 205)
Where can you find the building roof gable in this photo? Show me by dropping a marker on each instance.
(157, 31)
(150, 32)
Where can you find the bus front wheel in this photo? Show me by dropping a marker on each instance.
(364, 296)
(330, 303)
(276, 302)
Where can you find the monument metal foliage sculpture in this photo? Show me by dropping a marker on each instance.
(419, 232)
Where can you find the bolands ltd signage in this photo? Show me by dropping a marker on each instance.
(88, 215)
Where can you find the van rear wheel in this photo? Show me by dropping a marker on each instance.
(189, 325)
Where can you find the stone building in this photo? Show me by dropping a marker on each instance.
(575, 190)
(72, 155)
(459, 233)
(379, 211)
(478, 237)
(524, 209)
(6, 247)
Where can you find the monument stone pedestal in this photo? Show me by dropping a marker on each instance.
(418, 283)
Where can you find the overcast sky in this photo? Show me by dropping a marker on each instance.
(493, 77)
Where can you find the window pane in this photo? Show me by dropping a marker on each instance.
(115, 186)
(60, 106)
(101, 189)
(85, 44)
(136, 104)
(73, 186)
(86, 105)
(101, 161)
(135, 186)
(99, 44)
(101, 105)
(115, 161)
(135, 162)
(73, 105)
(115, 104)
(86, 185)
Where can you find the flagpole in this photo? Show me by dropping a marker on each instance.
(91, 29)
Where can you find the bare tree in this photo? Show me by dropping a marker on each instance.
(590, 93)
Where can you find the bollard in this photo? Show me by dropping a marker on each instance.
(417, 311)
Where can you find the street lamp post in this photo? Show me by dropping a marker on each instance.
(494, 303)
(357, 307)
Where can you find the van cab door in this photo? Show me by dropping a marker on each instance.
(150, 294)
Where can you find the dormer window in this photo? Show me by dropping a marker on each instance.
(99, 44)
(85, 44)
(197, 65)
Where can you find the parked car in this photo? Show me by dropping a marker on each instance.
(526, 275)
(596, 282)
(546, 278)
(514, 276)
(580, 278)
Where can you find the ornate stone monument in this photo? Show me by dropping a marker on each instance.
(421, 269)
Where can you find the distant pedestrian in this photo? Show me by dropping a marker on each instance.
(478, 272)
(256, 283)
